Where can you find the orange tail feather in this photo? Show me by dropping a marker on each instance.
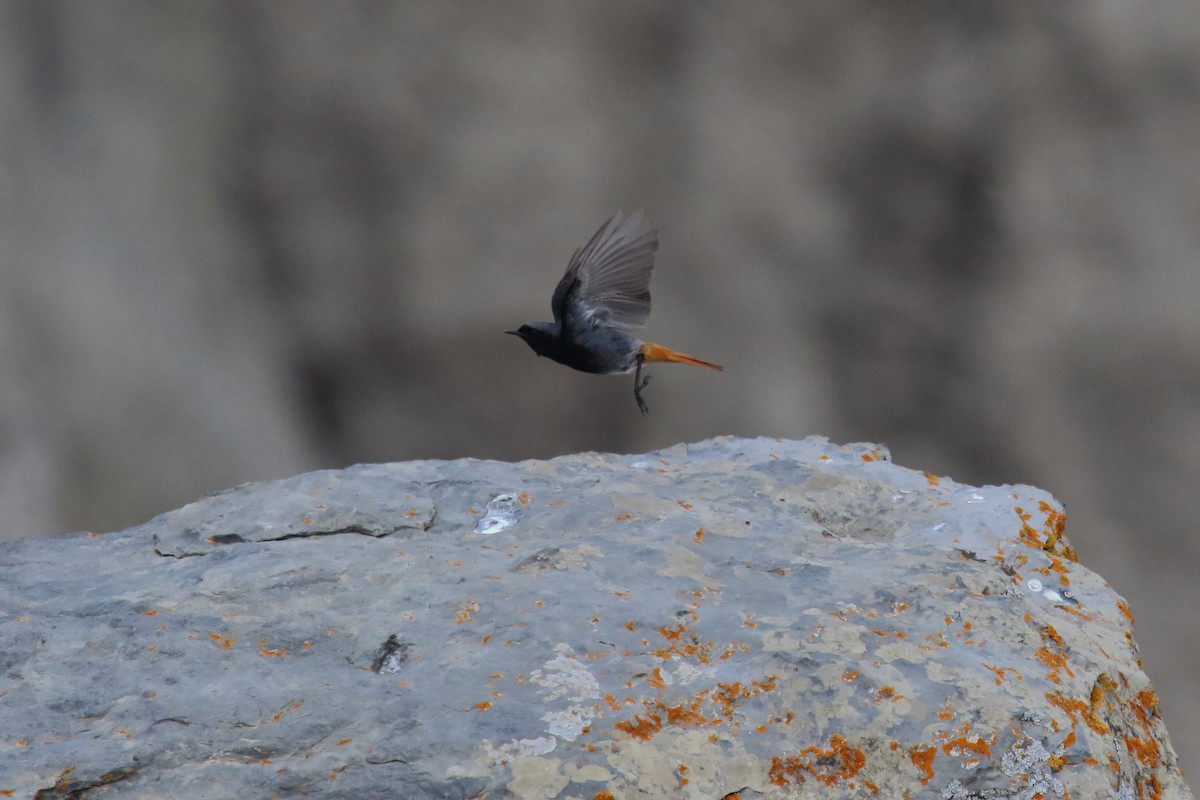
(656, 352)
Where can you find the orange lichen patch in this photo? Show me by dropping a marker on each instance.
(603, 795)
(631, 626)
(874, 455)
(886, 693)
(1056, 524)
(287, 709)
(1145, 750)
(1051, 537)
(1150, 788)
(686, 716)
(1075, 612)
(975, 744)
(922, 758)
(850, 675)
(707, 707)
(934, 480)
(1088, 710)
(682, 643)
(898, 606)
(768, 685)
(684, 506)
(469, 607)
(1103, 686)
(699, 537)
(1072, 705)
(263, 650)
(1002, 672)
(483, 705)
(946, 712)
(1056, 762)
(939, 640)
(623, 518)
(344, 742)
(1057, 565)
(726, 695)
(641, 728)
(525, 497)
(656, 679)
(1052, 654)
(150, 612)
(222, 642)
(1125, 610)
(838, 762)
(1053, 662)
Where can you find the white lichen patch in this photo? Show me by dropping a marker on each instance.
(565, 678)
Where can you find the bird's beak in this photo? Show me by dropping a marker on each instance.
(514, 333)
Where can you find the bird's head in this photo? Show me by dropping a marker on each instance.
(540, 336)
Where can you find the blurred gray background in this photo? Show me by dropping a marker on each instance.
(240, 240)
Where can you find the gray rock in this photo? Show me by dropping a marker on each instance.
(758, 618)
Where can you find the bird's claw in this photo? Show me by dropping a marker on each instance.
(641, 403)
(637, 394)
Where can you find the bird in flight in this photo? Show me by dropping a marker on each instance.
(602, 298)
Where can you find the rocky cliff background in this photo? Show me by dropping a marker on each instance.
(239, 240)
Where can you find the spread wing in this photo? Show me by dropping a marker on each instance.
(608, 279)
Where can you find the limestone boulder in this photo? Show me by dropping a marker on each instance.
(733, 618)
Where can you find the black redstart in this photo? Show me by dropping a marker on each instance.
(604, 295)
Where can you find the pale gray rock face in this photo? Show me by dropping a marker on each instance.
(759, 618)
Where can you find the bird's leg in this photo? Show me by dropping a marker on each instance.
(640, 383)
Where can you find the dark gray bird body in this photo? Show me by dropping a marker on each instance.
(595, 348)
(605, 294)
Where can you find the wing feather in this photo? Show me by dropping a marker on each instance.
(608, 279)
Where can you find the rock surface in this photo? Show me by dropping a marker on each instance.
(750, 618)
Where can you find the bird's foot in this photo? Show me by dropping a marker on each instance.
(637, 394)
